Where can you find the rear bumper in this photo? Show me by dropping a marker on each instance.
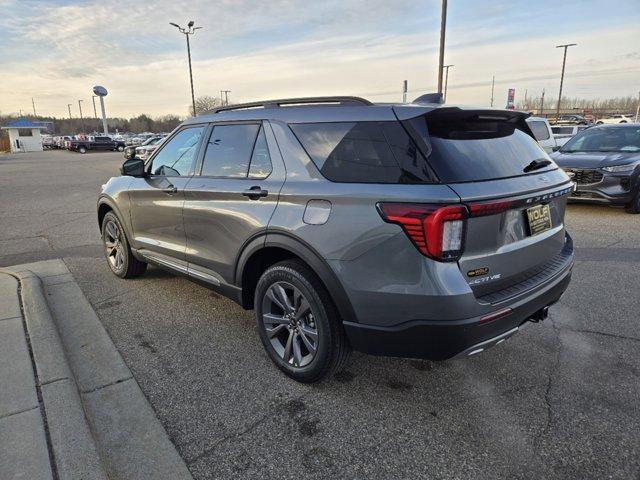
(441, 340)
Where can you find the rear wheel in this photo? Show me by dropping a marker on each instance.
(120, 148)
(298, 324)
(82, 150)
(117, 251)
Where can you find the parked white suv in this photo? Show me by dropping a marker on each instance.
(542, 131)
(564, 133)
(616, 119)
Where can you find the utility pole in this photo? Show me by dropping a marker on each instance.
(69, 107)
(638, 108)
(95, 112)
(404, 91)
(226, 96)
(443, 27)
(33, 103)
(542, 103)
(525, 98)
(493, 84)
(564, 61)
(446, 82)
(190, 30)
(81, 119)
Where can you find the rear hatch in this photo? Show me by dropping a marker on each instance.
(515, 194)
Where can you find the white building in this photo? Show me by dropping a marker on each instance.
(24, 135)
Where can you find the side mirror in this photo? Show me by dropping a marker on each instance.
(133, 168)
(555, 149)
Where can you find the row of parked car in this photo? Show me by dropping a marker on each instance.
(575, 119)
(83, 143)
(145, 149)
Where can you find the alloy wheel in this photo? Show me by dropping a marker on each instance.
(290, 324)
(113, 245)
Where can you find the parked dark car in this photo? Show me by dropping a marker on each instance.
(605, 164)
(415, 230)
(98, 143)
(572, 120)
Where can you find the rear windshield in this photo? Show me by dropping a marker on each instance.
(364, 152)
(467, 149)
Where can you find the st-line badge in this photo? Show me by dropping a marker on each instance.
(476, 272)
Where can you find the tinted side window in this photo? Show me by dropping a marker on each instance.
(539, 129)
(229, 150)
(177, 156)
(363, 152)
(260, 160)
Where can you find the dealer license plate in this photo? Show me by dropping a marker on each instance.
(539, 219)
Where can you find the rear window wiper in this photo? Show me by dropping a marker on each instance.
(536, 164)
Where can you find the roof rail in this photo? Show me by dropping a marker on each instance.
(342, 101)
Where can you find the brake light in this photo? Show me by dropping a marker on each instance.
(492, 208)
(436, 231)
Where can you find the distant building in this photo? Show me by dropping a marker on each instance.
(24, 135)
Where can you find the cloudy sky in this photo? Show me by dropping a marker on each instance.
(56, 50)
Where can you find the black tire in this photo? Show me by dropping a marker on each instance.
(120, 148)
(634, 205)
(332, 347)
(119, 257)
(82, 150)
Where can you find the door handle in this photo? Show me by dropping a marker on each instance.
(255, 192)
(170, 190)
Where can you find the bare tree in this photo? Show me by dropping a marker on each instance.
(206, 103)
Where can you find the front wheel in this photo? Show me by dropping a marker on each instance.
(298, 323)
(117, 251)
(120, 148)
(634, 205)
(82, 150)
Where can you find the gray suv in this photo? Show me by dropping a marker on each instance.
(413, 230)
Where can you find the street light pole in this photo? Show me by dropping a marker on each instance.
(493, 84)
(443, 27)
(69, 107)
(190, 30)
(564, 61)
(81, 119)
(95, 112)
(446, 82)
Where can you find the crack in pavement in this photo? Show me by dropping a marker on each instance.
(596, 332)
(547, 393)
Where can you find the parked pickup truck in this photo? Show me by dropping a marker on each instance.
(96, 143)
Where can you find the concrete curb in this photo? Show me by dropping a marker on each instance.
(73, 447)
(90, 391)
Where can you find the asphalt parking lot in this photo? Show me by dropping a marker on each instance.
(559, 400)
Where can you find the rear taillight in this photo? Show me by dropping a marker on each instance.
(436, 231)
(489, 208)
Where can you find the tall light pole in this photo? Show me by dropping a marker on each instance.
(638, 108)
(69, 107)
(493, 84)
(81, 119)
(564, 61)
(95, 112)
(190, 30)
(443, 27)
(446, 81)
